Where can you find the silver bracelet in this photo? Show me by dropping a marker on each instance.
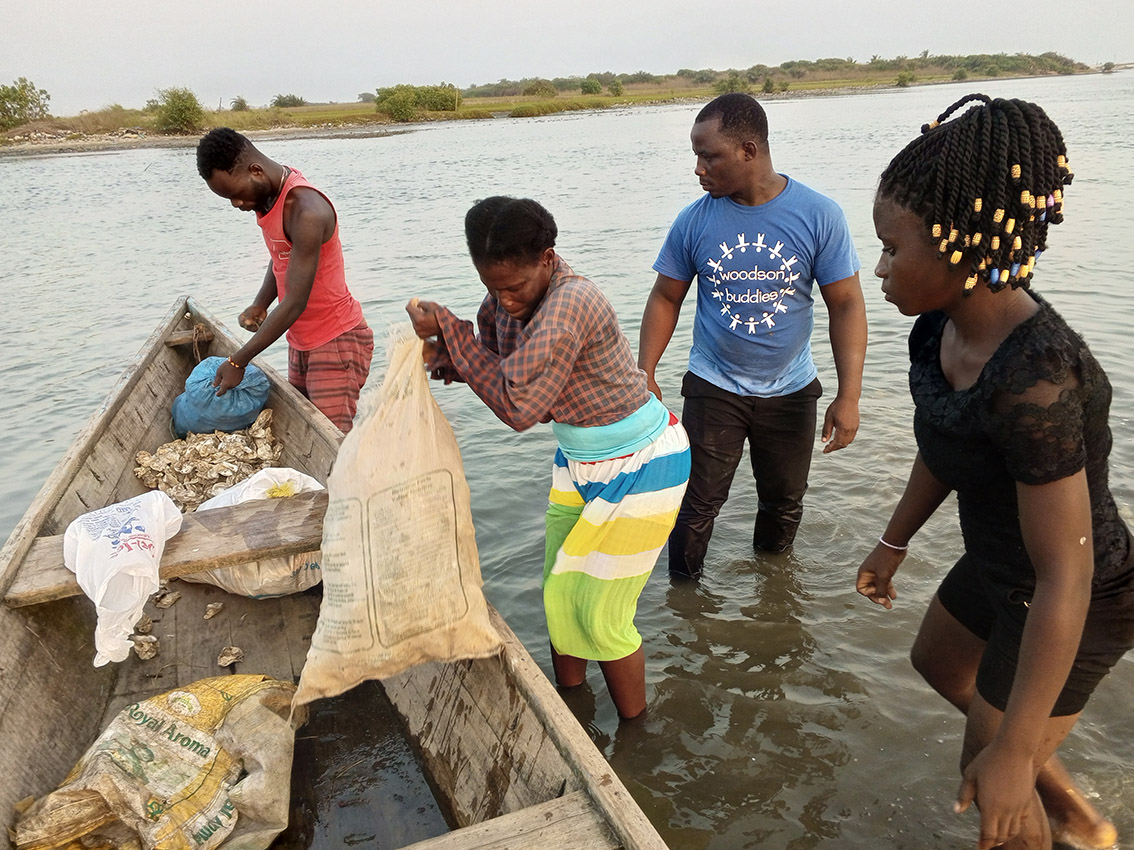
(892, 546)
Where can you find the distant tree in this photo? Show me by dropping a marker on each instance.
(615, 87)
(925, 54)
(179, 111)
(960, 74)
(769, 85)
(403, 102)
(283, 101)
(22, 102)
(239, 104)
(783, 85)
(540, 88)
(640, 77)
(1107, 67)
(704, 76)
(367, 97)
(589, 86)
(732, 83)
(905, 78)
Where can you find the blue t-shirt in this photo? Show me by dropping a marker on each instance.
(755, 269)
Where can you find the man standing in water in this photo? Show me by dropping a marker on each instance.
(757, 241)
(329, 342)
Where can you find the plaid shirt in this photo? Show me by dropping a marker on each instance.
(569, 361)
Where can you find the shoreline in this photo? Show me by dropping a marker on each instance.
(128, 139)
(131, 140)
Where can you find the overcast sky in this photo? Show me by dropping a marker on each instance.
(91, 53)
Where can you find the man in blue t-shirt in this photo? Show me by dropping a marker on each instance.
(757, 242)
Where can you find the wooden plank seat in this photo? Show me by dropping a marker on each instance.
(223, 537)
(570, 821)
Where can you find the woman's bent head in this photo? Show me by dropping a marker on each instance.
(512, 244)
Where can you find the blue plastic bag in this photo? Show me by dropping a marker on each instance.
(200, 410)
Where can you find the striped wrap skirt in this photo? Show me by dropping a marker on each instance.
(607, 522)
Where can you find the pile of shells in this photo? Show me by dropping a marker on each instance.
(195, 469)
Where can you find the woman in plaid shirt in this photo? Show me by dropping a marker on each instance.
(548, 348)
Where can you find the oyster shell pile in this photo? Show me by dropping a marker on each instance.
(199, 467)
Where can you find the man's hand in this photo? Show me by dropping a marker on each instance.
(252, 318)
(423, 314)
(228, 376)
(840, 424)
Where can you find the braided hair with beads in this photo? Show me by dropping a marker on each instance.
(987, 182)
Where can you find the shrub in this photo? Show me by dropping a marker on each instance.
(179, 111)
(590, 86)
(22, 102)
(239, 104)
(732, 83)
(769, 85)
(541, 88)
(905, 78)
(615, 87)
(402, 102)
(285, 100)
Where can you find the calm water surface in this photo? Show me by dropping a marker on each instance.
(783, 710)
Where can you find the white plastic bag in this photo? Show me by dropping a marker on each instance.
(401, 575)
(114, 553)
(269, 576)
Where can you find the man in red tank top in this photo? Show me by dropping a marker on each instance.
(329, 342)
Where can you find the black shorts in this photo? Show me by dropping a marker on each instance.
(996, 613)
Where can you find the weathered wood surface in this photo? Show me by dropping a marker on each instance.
(223, 537)
(565, 823)
(497, 736)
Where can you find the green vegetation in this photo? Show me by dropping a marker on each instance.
(404, 103)
(178, 111)
(281, 101)
(23, 108)
(22, 102)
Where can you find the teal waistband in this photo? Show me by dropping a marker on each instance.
(623, 437)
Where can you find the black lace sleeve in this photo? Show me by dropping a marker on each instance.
(1037, 417)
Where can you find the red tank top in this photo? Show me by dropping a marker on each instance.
(331, 309)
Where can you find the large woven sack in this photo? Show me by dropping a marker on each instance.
(185, 770)
(401, 575)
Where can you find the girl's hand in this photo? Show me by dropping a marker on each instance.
(1002, 784)
(423, 314)
(875, 576)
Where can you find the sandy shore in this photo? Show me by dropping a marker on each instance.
(47, 145)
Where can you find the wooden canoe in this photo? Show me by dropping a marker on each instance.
(509, 763)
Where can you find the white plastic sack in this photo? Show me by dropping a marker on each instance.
(114, 553)
(268, 576)
(401, 575)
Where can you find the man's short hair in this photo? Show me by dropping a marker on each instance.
(220, 150)
(742, 117)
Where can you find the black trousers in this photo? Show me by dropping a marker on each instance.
(780, 433)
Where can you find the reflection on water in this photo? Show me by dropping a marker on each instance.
(783, 709)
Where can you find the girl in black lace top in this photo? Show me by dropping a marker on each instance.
(1011, 414)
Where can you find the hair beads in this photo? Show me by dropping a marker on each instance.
(1003, 151)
